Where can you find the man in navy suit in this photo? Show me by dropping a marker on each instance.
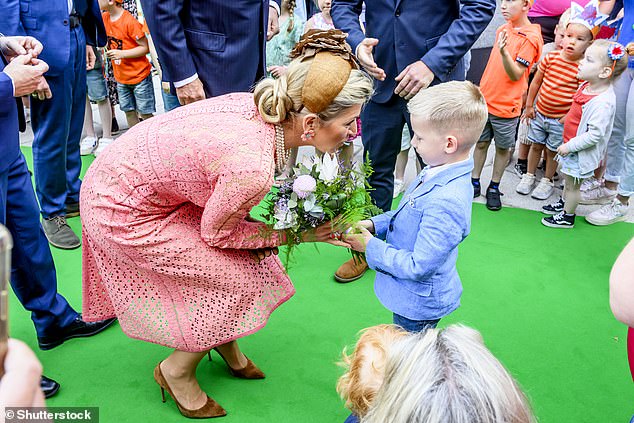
(408, 45)
(209, 48)
(33, 277)
(64, 27)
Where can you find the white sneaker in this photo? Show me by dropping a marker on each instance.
(590, 183)
(608, 214)
(526, 184)
(597, 195)
(87, 146)
(399, 186)
(543, 190)
(103, 143)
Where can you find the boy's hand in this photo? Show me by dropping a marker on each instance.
(502, 40)
(630, 48)
(115, 54)
(528, 115)
(358, 238)
(563, 150)
(414, 78)
(364, 54)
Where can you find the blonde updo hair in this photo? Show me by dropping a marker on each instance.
(281, 98)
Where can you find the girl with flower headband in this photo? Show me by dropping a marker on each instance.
(169, 247)
(587, 126)
(618, 186)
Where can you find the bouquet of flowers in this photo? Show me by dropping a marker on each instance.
(318, 191)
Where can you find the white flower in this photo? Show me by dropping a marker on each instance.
(284, 220)
(329, 168)
(304, 185)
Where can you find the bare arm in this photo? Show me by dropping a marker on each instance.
(529, 111)
(141, 50)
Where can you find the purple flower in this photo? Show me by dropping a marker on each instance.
(304, 185)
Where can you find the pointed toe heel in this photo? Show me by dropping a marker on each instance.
(250, 371)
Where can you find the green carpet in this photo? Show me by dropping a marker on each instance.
(538, 295)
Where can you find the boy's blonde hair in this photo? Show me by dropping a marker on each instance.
(447, 375)
(617, 66)
(365, 367)
(456, 108)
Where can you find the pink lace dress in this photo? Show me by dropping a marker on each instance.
(165, 233)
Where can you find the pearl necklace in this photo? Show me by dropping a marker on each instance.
(281, 153)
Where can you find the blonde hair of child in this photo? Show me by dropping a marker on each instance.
(619, 65)
(457, 108)
(365, 367)
(280, 98)
(447, 375)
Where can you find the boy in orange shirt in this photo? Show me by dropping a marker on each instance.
(504, 82)
(127, 50)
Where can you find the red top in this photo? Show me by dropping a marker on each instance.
(571, 125)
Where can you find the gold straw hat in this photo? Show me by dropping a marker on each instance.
(330, 69)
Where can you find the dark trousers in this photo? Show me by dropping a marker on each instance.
(57, 125)
(33, 276)
(382, 128)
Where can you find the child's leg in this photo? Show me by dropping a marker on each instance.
(551, 164)
(146, 116)
(522, 152)
(105, 113)
(502, 156)
(479, 157)
(132, 118)
(572, 194)
(144, 98)
(89, 127)
(534, 155)
(401, 164)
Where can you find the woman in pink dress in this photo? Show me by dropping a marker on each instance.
(168, 243)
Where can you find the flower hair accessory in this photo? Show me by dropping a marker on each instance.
(328, 73)
(590, 17)
(616, 51)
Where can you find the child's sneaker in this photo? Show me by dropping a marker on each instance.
(398, 187)
(103, 143)
(520, 169)
(608, 214)
(476, 189)
(493, 199)
(87, 146)
(554, 208)
(590, 183)
(560, 220)
(597, 195)
(543, 190)
(526, 184)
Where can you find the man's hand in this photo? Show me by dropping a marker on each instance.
(12, 47)
(358, 237)
(414, 78)
(43, 91)
(528, 115)
(26, 73)
(191, 92)
(115, 54)
(91, 58)
(366, 58)
(274, 24)
(563, 150)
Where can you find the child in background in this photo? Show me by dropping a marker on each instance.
(587, 127)
(127, 49)
(415, 247)
(554, 85)
(278, 51)
(321, 20)
(504, 83)
(98, 93)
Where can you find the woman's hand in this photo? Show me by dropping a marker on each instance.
(262, 253)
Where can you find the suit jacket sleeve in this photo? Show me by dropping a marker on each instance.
(6, 87)
(345, 15)
(224, 223)
(475, 15)
(10, 23)
(168, 34)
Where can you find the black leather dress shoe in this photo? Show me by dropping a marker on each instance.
(77, 329)
(49, 386)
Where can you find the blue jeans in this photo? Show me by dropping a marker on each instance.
(139, 97)
(170, 101)
(414, 325)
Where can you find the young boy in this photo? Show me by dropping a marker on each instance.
(503, 84)
(415, 247)
(127, 50)
(554, 85)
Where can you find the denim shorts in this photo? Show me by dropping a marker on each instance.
(502, 130)
(139, 97)
(414, 325)
(545, 130)
(570, 167)
(97, 90)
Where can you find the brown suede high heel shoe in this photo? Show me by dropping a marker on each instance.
(209, 410)
(250, 371)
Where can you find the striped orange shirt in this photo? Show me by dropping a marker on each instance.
(559, 85)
